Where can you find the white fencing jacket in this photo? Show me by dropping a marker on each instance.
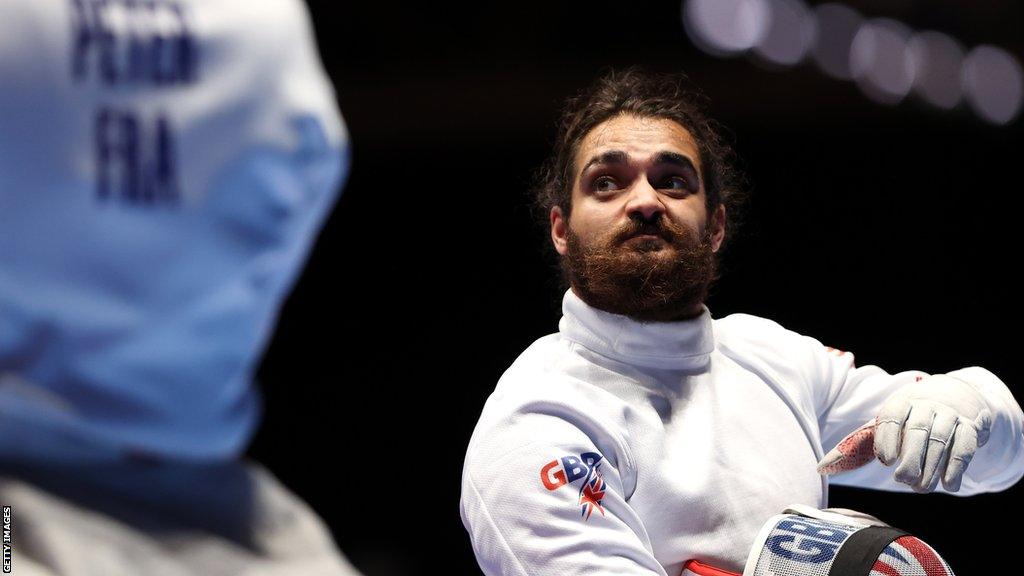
(622, 447)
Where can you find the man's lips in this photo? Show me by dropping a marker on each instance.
(644, 236)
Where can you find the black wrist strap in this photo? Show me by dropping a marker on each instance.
(860, 551)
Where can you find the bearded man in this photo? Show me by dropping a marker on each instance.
(646, 436)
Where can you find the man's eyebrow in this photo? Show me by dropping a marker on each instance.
(675, 159)
(620, 157)
(610, 157)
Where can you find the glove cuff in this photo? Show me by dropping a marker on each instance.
(1005, 458)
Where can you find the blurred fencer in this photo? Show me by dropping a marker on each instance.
(165, 166)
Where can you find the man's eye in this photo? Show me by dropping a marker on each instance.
(605, 184)
(675, 183)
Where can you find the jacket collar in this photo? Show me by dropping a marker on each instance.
(664, 345)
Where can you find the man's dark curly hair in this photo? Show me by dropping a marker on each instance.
(647, 95)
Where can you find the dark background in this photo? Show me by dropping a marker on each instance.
(891, 232)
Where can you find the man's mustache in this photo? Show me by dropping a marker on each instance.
(656, 227)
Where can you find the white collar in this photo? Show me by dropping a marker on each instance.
(665, 345)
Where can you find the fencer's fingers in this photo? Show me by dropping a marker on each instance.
(852, 452)
(964, 444)
(914, 444)
(942, 429)
(888, 433)
(984, 425)
(943, 462)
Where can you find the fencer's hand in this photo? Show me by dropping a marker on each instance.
(931, 429)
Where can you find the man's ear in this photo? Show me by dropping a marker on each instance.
(718, 220)
(559, 230)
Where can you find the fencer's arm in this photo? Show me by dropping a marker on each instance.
(543, 508)
(826, 387)
(968, 415)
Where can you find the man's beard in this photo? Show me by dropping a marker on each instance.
(646, 279)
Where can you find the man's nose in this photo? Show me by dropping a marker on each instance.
(644, 201)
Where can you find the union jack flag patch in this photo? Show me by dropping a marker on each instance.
(570, 469)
